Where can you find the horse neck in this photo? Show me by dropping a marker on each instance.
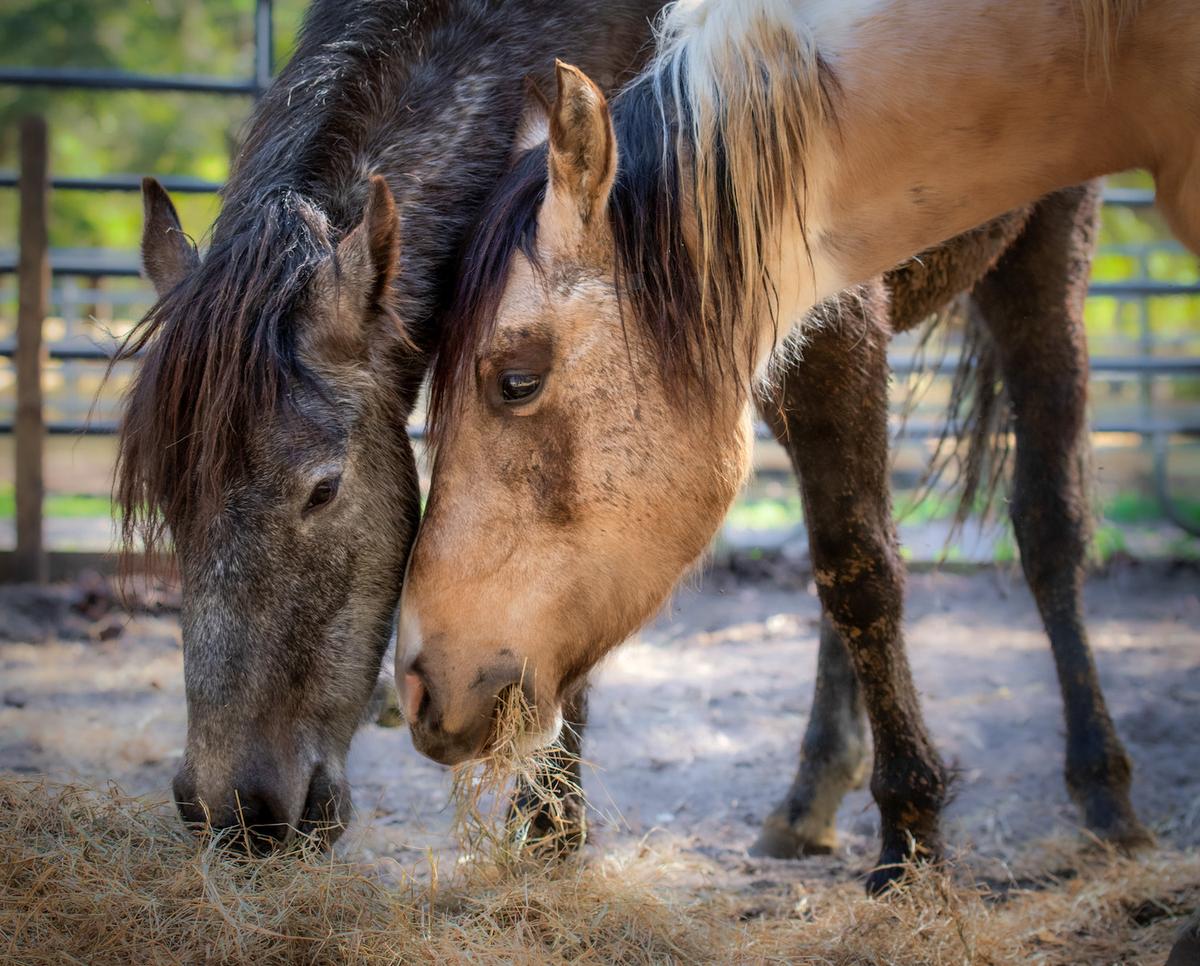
(948, 115)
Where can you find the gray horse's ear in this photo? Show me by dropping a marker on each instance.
(368, 256)
(583, 151)
(167, 252)
(351, 289)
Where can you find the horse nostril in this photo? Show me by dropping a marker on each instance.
(262, 818)
(191, 812)
(247, 821)
(183, 790)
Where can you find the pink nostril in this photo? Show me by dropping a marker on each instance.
(414, 694)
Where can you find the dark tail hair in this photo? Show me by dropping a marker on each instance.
(973, 451)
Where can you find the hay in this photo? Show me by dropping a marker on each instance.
(491, 823)
(100, 878)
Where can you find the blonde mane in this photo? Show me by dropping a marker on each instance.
(1103, 21)
(748, 88)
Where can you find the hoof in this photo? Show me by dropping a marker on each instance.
(1109, 816)
(383, 708)
(895, 864)
(548, 830)
(883, 877)
(1186, 951)
(1129, 837)
(780, 839)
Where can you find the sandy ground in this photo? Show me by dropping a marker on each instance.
(696, 724)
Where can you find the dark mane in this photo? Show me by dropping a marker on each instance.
(657, 281)
(218, 348)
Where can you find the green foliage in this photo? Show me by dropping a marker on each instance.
(106, 132)
(766, 514)
(74, 506)
(1133, 508)
(1107, 542)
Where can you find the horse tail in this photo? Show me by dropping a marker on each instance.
(746, 89)
(972, 451)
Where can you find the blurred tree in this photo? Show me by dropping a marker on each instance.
(103, 132)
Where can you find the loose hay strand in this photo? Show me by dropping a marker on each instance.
(497, 796)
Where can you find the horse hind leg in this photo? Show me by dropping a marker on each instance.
(833, 752)
(1033, 305)
(833, 760)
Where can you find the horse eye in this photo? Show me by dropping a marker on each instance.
(518, 387)
(322, 494)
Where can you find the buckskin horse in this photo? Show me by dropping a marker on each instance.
(635, 278)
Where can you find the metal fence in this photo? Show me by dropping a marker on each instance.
(94, 267)
(36, 265)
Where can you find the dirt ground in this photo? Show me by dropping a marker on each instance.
(696, 724)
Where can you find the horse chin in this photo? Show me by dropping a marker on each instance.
(454, 750)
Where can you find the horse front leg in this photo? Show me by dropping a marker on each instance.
(835, 406)
(551, 815)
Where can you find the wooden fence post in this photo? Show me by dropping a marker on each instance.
(34, 288)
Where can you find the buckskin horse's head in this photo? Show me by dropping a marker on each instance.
(575, 479)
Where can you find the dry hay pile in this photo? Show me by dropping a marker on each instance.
(101, 878)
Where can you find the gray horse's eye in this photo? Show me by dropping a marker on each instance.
(519, 387)
(323, 494)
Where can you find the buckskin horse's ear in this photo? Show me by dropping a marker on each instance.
(583, 151)
(167, 252)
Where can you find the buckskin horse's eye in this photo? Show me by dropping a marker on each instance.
(519, 387)
(322, 494)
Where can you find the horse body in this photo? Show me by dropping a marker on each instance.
(631, 277)
(293, 517)
(914, 121)
(265, 428)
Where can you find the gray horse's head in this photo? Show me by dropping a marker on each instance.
(264, 437)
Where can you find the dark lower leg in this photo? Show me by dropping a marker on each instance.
(1033, 304)
(836, 431)
(833, 760)
(553, 815)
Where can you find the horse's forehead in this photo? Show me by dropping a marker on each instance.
(312, 427)
(563, 302)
